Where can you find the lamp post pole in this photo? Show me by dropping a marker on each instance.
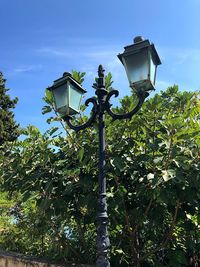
(103, 241)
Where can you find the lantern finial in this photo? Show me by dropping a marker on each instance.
(67, 74)
(101, 71)
(138, 39)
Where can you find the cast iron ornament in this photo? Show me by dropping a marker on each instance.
(101, 92)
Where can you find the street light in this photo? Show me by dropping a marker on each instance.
(140, 61)
(67, 94)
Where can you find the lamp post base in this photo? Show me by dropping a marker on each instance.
(102, 261)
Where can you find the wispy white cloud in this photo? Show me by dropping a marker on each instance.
(180, 66)
(27, 68)
(74, 52)
(188, 55)
(101, 53)
(53, 51)
(88, 57)
(107, 53)
(179, 56)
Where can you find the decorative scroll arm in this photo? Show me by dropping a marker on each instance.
(141, 97)
(77, 128)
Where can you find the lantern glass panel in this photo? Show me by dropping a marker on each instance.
(152, 70)
(137, 66)
(75, 99)
(61, 98)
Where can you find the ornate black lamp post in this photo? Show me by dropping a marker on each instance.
(140, 61)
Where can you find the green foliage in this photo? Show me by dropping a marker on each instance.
(8, 128)
(5, 205)
(78, 76)
(153, 182)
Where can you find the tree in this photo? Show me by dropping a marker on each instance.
(153, 184)
(8, 128)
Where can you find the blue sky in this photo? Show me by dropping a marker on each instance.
(41, 39)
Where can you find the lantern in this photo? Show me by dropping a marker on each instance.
(140, 61)
(67, 94)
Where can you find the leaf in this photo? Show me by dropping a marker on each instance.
(49, 187)
(177, 258)
(81, 153)
(46, 109)
(78, 76)
(168, 174)
(26, 196)
(45, 203)
(52, 130)
(150, 176)
(118, 163)
(119, 251)
(48, 97)
(108, 82)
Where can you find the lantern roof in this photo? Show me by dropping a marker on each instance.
(139, 44)
(64, 79)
